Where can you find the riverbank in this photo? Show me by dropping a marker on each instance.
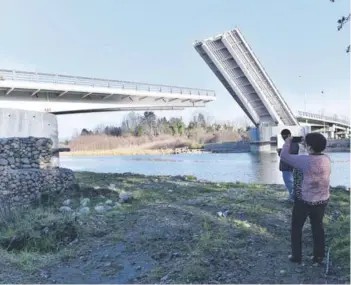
(125, 228)
(334, 146)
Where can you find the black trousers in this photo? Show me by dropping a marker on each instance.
(299, 214)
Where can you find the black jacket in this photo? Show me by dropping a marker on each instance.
(294, 149)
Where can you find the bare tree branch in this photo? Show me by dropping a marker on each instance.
(342, 22)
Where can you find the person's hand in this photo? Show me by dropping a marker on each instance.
(288, 139)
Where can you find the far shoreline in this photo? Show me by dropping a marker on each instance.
(138, 152)
(132, 152)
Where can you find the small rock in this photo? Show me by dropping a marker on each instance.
(117, 205)
(113, 213)
(73, 242)
(65, 209)
(138, 267)
(109, 202)
(125, 197)
(84, 210)
(164, 278)
(102, 209)
(25, 160)
(107, 264)
(170, 190)
(67, 202)
(197, 201)
(175, 254)
(85, 202)
(282, 271)
(44, 274)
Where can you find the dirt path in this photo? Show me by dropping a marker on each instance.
(172, 233)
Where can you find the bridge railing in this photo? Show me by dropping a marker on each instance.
(334, 118)
(98, 82)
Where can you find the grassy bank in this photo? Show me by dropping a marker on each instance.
(173, 230)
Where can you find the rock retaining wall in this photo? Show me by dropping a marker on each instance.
(26, 171)
(25, 153)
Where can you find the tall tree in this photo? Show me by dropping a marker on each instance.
(130, 122)
(149, 122)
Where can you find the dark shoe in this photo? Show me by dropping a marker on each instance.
(317, 260)
(294, 259)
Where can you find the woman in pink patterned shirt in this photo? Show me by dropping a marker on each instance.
(314, 196)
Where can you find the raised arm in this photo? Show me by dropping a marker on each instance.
(297, 161)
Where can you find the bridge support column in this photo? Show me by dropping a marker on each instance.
(23, 123)
(260, 139)
(332, 132)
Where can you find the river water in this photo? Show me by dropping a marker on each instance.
(228, 167)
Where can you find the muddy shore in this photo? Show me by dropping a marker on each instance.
(125, 228)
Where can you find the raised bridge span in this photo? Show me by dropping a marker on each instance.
(232, 60)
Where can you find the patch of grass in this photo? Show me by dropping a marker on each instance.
(340, 241)
(239, 184)
(156, 273)
(196, 273)
(190, 178)
(338, 227)
(38, 230)
(113, 270)
(25, 260)
(117, 236)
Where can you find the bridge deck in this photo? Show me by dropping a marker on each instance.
(31, 86)
(323, 119)
(236, 66)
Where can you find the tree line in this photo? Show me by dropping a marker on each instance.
(149, 124)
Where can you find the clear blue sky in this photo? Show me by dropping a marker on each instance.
(151, 41)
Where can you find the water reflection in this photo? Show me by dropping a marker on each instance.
(229, 167)
(266, 168)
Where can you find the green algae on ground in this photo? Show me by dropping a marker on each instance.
(173, 223)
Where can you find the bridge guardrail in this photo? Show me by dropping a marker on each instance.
(97, 82)
(334, 118)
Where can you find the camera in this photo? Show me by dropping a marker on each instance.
(296, 139)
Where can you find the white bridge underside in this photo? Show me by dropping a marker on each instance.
(114, 95)
(46, 92)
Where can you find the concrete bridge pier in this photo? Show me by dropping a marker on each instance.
(23, 123)
(259, 142)
(266, 138)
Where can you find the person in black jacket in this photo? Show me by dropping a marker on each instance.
(286, 169)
